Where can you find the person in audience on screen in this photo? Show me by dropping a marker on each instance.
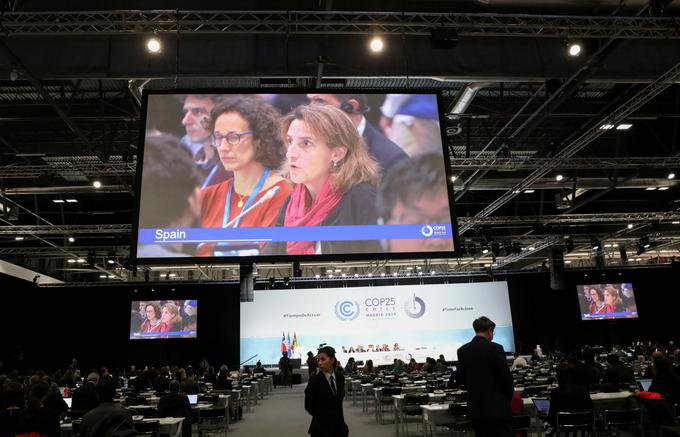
(368, 368)
(189, 308)
(617, 372)
(323, 397)
(196, 114)
(169, 193)
(285, 370)
(36, 418)
(597, 300)
(412, 366)
(412, 121)
(176, 404)
(189, 325)
(385, 152)
(665, 381)
(569, 394)
(612, 301)
(142, 309)
(415, 192)
(312, 364)
(108, 416)
(485, 374)
(171, 321)
(245, 133)
(153, 318)
(334, 180)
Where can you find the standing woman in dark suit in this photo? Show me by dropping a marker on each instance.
(323, 397)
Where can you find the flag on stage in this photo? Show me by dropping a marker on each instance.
(284, 349)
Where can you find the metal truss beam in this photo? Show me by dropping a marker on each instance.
(565, 219)
(619, 114)
(68, 169)
(332, 23)
(509, 164)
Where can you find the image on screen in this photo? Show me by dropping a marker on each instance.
(372, 323)
(153, 319)
(607, 301)
(292, 175)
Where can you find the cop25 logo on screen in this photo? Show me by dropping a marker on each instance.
(347, 309)
(414, 307)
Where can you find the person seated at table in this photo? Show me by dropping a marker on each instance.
(656, 355)
(85, 397)
(190, 385)
(259, 370)
(351, 366)
(13, 395)
(595, 367)
(161, 381)
(519, 362)
(617, 372)
(176, 404)
(412, 366)
(398, 366)
(247, 372)
(396, 347)
(665, 381)
(37, 418)
(368, 368)
(222, 382)
(108, 416)
(568, 396)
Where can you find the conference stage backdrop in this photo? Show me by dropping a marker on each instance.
(378, 323)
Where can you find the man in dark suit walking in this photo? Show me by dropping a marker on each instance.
(484, 372)
(323, 397)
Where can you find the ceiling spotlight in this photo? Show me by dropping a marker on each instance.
(532, 248)
(71, 261)
(432, 272)
(18, 238)
(574, 49)
(663, 188)
(595, 245)
(317, 276)
(529, 191)
(111, 261)
(58, 200)
(567, 262)
(650, 188)
(153, 45)
(675, 222)
(671, 175)
(382, 274)
(607, 126)
(559, 177)
(71, 200)
(394, 274)
(630, 226)
(71, 239)
(453, 178)
(370, 275)
(97, 184)
(485, 251)
(377, 44)
(80, 260)
(624, 126)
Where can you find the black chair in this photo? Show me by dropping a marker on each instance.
(627, 420)
(462, 423)
(575, 421)
(521, 423)
(411, 407)
(135, 400)
(387, 393)
(150, 428)
(212, 421)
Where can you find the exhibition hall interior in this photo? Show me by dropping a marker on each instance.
(198, 199)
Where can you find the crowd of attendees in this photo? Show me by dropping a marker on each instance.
(33, 401)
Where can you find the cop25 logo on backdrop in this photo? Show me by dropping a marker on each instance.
(347, 309)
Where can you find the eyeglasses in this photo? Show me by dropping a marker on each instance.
(232, 138)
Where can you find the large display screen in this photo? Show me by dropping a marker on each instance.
(607, 301)
(376, 323)
(227, 175)
(151, 319)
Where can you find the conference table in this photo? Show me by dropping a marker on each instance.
(168, 426)
(437, 414)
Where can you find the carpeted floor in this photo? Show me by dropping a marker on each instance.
(282, 414)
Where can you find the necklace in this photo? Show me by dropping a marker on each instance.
(240, 200)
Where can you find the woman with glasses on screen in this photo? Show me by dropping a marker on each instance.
(170, 318)
(334, 180)
(153, 318)
(597, 299)
(245, 133)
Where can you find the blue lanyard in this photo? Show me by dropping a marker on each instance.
(253, 195)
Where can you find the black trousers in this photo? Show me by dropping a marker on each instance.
(492, 428)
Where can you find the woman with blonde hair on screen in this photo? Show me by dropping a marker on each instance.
(334, 180)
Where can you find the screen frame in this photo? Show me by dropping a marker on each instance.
(579, 286)
(159, 338)
(288, 258)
